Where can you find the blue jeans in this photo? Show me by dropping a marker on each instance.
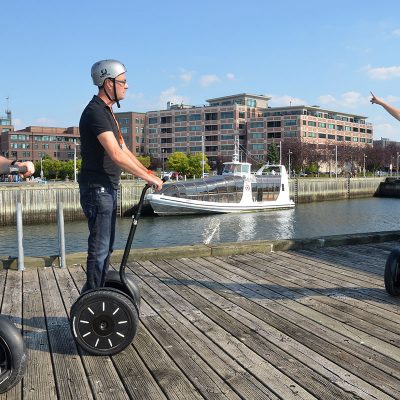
(100, 208)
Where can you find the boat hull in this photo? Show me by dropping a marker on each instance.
(164, 205)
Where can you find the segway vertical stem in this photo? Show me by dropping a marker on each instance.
(132, 231)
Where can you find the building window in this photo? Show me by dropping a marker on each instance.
(195, 138)
(195, 128)
(226, 126)
(226, 114)
(312, 134)
(181, 149)
(355, 139)
(180, 118)
(166, 130)
(209, 128)
(180, 139)
(195, 149)
(290, 122)
(339, 138)
(152, 130)
(166, 120)
(251, 103)
(257, 135)
(312, 123)
(290, 134)
(321, 125)
(227, 147)
(259, 124)
(348, 138)
(211, 116)
(180, 129)
(166, 140)
(227, 137)
(331, 137)
(273, 124)
(195, 117)
(347, 128)
(241, 114)
(322, 135)
(153, 120)
(259, 146)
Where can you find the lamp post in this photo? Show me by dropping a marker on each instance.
(41, 168)
(162, 158)
(76, 144)
(336, 161)
(280, 152)
(364, 164)
(290, 171)
(397, 166)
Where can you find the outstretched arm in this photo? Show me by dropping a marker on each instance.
(390, 109)
(30, 169)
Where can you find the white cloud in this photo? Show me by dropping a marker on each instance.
(18, 123)
(186, 76)
(285, 100)
(396, 32)
(386, 130)
(170, 95)
(347, 100)
(230, 76)
(383, 73)
(207, 80)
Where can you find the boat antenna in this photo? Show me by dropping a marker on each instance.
(235, 157)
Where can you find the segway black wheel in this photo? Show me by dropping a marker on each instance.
(104, 321)
(13, 357)
(392, 273)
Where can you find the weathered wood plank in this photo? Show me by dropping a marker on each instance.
(39, 379)
(304, 331)
(163, 300)
(183, 285)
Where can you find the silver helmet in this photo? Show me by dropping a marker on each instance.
(101, 70)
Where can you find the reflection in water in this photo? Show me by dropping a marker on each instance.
(304, 221)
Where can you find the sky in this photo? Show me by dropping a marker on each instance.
(330, 54)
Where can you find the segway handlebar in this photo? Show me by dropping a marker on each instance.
(12, 169)
(132, 231)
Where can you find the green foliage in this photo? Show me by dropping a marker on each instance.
(178, 162)
(145, 160)
(196, 165)
(54, 169)
(273, 154)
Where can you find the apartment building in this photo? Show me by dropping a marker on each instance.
(132, 129)
(34, 142)
(212, 127)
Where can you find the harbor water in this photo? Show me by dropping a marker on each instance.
(304, 221)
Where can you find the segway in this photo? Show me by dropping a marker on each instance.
(13, 356)
(392, 273)
(104, 320)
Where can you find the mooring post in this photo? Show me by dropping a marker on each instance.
(20, 238)
(61, 235)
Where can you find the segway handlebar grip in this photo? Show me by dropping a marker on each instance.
(13, 169)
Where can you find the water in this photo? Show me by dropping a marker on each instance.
(304, 221)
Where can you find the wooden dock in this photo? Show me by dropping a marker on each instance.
(306, 324)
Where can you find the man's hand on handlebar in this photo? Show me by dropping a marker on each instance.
(155, 181)
(30, 168)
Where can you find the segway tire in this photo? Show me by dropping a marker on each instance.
(104, 321)
(13, 357)
(392, 273)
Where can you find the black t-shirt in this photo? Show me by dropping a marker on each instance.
(97, 167)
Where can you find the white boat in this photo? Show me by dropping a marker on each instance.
(236, 190)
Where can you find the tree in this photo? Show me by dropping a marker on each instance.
(273, 154)
(145, 160)
(178, 162)
(195, 164)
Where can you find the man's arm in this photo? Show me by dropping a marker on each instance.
(30, 168)
(390, 109)
(124, 159)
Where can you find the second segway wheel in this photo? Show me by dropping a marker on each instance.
(13, 357)
(392, 273)
(104, 321)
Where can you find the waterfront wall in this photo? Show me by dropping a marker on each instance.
(39, 202)
(321, 189)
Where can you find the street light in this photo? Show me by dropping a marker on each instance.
(41, 168)
(162, 158)
(364, 163)
(76, 144)
(336, 161)
(290, 171)
(280, 152)
(397, 166)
